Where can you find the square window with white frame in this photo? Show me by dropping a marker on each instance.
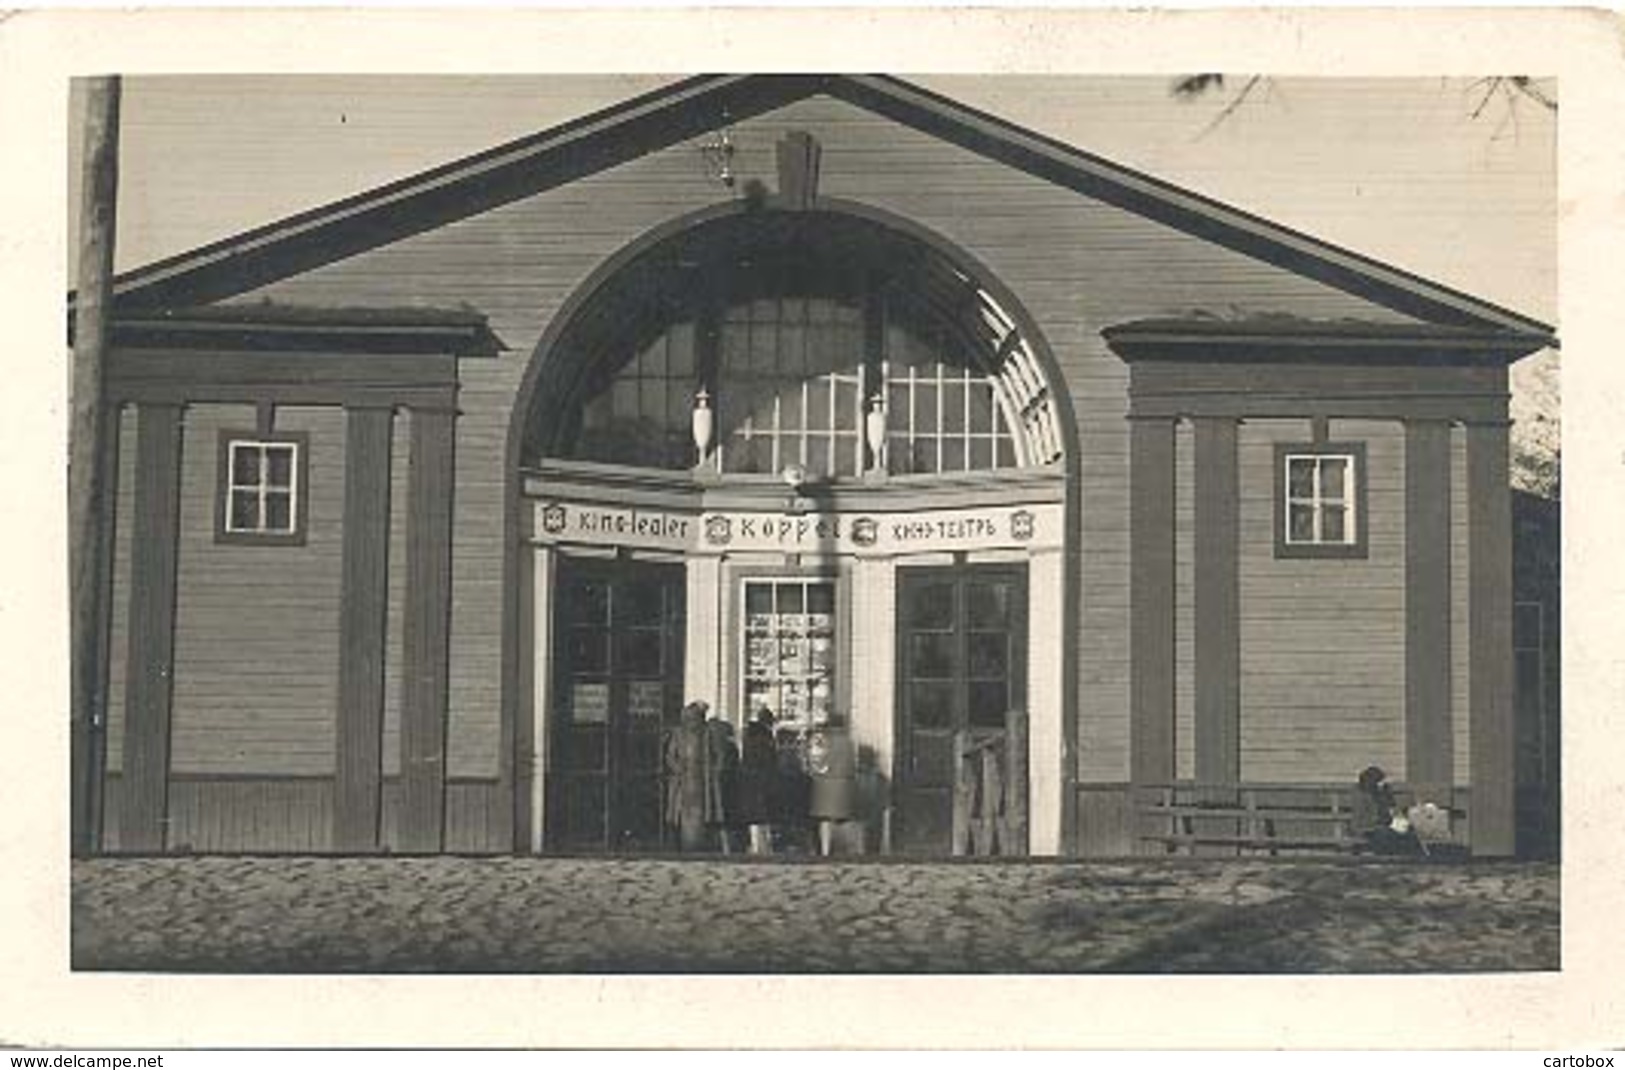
(1320, 500)
(262, 491)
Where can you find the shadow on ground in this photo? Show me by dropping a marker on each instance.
(527, 915)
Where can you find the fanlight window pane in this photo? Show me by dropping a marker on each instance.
(639, 415)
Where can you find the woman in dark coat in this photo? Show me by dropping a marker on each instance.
(722, 791)
(758, 776)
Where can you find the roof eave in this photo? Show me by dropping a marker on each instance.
(456, 334)
(1331, 345)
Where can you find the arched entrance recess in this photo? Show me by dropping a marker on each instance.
(880, 487)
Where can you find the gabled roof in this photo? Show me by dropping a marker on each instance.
(692, 107)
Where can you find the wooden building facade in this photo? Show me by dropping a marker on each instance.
(434, 505)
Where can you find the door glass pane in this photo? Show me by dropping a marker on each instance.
(987, 605)
(986, 702)
(584, 747)
(643, 752)
(586, 602)
(931, 704)
(989, 655)
(641, 602)
(589, 651)
(933, 760)
(931, 605)
(581, 811)
(640, 652)
(931, 655)
(638, 809)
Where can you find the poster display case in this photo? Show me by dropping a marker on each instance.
(789, 652)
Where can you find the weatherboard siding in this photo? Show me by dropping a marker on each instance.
(257, 627)
(1322, 640)
(1076, 265)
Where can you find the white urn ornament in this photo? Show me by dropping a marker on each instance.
(874, 431)
(704, 423)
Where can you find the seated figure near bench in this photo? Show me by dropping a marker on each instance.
(1375, 821)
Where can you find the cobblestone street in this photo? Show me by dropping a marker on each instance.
(726, 916)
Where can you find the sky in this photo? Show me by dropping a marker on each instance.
(1398, 169)
(1451, 179)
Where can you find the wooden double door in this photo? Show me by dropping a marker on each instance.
(617, 687)
(961, 666)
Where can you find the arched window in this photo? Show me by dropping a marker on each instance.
(839, 359)
(638, 412)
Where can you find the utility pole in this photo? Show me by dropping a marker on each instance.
(89, 439)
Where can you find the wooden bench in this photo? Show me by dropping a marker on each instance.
(1274, 819)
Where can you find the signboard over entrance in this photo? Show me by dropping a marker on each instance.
(861, 533)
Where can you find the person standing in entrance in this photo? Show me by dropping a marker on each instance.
(686, 777)
(758, 776)
(722, 782)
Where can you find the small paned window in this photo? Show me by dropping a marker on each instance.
(1320, 501)
(262, 491)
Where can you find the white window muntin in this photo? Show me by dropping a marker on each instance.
(263, 490)
(1320, 488)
